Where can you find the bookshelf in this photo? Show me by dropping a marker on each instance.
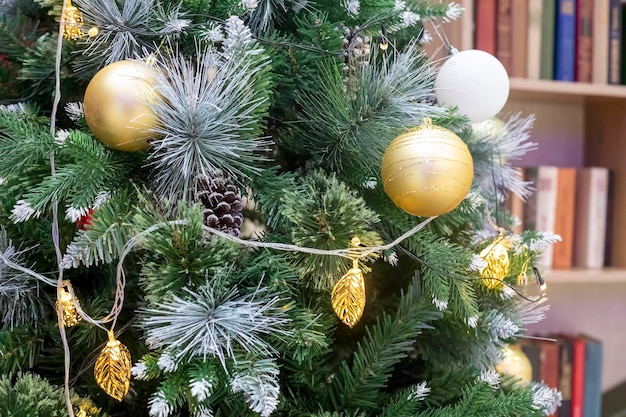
(576, 124)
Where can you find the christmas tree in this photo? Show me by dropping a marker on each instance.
(255, 207)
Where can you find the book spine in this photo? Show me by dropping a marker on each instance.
(563, 251)
(600, 38)
(548, 18)
(565, 41)
(519, 37)
(533, 42)
(549, 365)
(503, 34)
(485, 35)
(617, 218)
(591, 217)
(592, 400)
(565, 376)
(615, 41)
(540, 210)
(578, 377)
(584, 43)
(532, 351)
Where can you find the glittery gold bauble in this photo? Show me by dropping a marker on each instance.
(117, 105)
(496, 257)
(112, 368)
(515, 363)
(427, 171)
(348, 297)
(68, 307)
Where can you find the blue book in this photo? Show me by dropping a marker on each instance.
(565, 41)
(592, 398)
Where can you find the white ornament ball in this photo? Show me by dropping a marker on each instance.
(475, 82)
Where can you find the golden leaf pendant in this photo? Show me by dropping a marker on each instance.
(348, 297)
(112, 369)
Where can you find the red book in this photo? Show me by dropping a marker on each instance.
(578, 377)
(584, 40)
(549, 364)
(486, 25)
(504, 47)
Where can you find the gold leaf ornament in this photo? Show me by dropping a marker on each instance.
(112, 369)
(72, 22)
(348, 296)
(68, 308)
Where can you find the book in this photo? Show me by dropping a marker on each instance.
(566, 353)
(549, 364)
(563, 251)
(519, 37)
(565, 41)
(515, 206)
(532, 351)
(592, 399)
(615, 41)
(584, 42)
(548, 18)
(616, 220)
(485, 34)
(592, 190)
(503, 34)
(578, 376)
(540, 209)
(600, 40)
(533, 40)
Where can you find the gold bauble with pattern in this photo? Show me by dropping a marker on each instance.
(427, 171)
(118, 103)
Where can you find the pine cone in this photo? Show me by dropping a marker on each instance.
(223, 206)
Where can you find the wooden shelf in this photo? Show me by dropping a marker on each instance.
(585, 276)
(544, 90)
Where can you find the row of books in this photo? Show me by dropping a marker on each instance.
(565, 40)
(573, 365)
(574, 204)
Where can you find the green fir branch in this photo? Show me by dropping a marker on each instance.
(326, 215)
(24, 142)
(106, 238)
(359, 385)
(347, 129)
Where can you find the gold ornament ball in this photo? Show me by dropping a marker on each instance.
(427, 171)
(515, 363)
(117, 105)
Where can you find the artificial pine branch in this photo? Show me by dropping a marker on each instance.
(211, 118)
(105, 239)
(360, 384)
(20, 300)
(348, 131)
(327, 214)
(25, 142)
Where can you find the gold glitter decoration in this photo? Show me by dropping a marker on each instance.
(112, 368)
(72, 22)
(348, 296)
(427, 171)
(515, 363)
(496, 257)
(68, 308)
